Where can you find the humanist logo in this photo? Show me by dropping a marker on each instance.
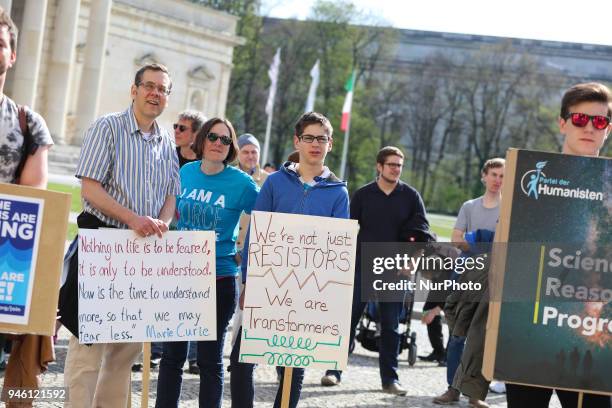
(535, 183)
(530, 180)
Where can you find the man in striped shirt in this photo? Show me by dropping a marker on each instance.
(129, 173)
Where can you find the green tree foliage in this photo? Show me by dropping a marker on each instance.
(449, 112)
(464, 109)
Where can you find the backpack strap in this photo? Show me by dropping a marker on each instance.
(28, 144)
(23, 124)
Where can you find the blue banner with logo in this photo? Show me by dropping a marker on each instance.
(20, 223)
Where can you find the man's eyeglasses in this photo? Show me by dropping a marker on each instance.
(181, 128)
(582, 119)
(152, 86)
(226, 140)
(394, 165)
(311, 138)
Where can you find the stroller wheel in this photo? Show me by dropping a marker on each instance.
(412, 349)
(412, 354)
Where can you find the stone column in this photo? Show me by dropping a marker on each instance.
(224, 81)
(60, 67)
(93, 67)
(6, 5)
(29, 51)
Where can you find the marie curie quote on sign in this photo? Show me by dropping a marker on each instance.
(134, 289)
(299, 290)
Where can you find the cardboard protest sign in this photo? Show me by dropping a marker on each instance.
(33, 226)
(553, 327)
(134, 289)
(297, 309)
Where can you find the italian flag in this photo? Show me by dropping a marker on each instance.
(348, 102)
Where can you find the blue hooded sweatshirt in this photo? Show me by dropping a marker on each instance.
(284, 192)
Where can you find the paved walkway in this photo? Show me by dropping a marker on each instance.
(360, 386)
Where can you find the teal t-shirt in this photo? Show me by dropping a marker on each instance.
(214, 203)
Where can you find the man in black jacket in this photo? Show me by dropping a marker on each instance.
(385, 208)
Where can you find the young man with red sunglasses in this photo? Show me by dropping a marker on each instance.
(586, 110)
(585, 123)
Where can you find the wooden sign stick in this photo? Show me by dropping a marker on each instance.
(580, 398)
(286, 387)
(146, 373)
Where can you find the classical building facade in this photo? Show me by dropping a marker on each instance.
(76, 59)
(410, 49)
(573, 61)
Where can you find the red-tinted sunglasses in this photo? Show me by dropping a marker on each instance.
(582, 119)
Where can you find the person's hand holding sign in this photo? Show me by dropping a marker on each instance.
(146, 226)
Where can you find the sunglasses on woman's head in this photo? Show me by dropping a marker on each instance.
(582, 119)
(226, 140)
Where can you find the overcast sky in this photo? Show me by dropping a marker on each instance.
(582, 21)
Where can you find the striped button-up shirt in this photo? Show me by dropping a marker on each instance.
(138, 171)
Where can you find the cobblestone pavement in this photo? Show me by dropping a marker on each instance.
(360, 385)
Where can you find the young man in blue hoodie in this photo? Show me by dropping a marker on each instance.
(308, 188)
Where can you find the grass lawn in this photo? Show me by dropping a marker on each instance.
(442, 225)
(75, 205)
(73, 230)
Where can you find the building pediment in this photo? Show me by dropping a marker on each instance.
(147, 58)
(201, 73)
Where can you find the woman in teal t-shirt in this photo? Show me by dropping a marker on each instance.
(213, 195)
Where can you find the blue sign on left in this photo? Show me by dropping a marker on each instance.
(20, 224)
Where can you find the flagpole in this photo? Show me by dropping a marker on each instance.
(345, 149)
(346, 118)
(273, 75)
(264, 156)
(312, 91)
